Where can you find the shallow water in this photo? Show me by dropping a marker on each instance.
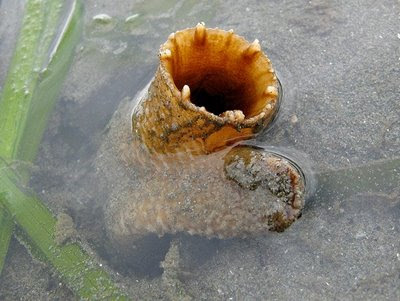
(339, 65)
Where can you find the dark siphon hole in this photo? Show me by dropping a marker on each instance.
(217, 94)
(215, 104)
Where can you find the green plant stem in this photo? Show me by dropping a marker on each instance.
(76, 268)
(20, 99)
(38, 68)
(7, 227)
(37, 31)
(17, 95)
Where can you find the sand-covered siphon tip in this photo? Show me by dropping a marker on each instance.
(211, 89)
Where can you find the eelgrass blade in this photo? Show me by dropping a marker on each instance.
(16, 98)
(38, 68)
(30, 90)
(57, 60)
(78, 270)
(6, 230)
(381, 176)
(39, 65)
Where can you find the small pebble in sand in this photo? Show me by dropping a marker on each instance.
(65, 229)
(102, 18)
